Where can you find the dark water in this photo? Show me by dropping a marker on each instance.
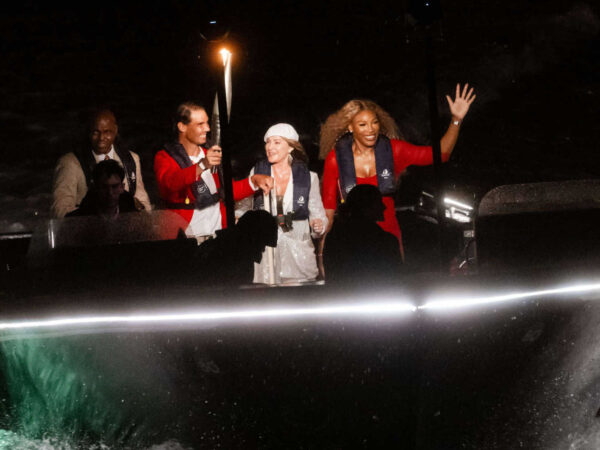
(492, 376)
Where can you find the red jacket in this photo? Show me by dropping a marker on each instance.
(175, 185)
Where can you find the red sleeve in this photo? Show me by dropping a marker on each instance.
(330, 181)
(407, 154)
(170, 177)
(242, 189)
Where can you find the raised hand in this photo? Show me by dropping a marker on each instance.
(459, 107)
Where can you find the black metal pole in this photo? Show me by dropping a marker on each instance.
(437, 150)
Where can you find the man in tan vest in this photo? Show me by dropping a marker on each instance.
(72, 175)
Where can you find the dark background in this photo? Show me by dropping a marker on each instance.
(520, 376)
(534, 65)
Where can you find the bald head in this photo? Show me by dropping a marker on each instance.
(103, 131)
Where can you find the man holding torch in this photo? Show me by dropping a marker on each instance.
(186, 183)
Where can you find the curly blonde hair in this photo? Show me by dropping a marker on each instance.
(337, 123)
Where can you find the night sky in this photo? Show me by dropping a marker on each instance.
(534, 66)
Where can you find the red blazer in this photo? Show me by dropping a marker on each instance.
(175, 185)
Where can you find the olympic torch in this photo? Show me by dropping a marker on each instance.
(220, 120)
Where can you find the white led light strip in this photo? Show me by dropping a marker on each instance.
(450, 201)
(451, 303)
(357, 309)
(364, 309)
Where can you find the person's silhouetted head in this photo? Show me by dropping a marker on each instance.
(229, 258)
(108, 184)
(259, 229)
(363, 202)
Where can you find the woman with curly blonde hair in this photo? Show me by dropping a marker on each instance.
(337, 123)
(361, 145)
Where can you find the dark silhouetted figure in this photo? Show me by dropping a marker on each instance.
(229, 258)
(357, 251)
(107, 197)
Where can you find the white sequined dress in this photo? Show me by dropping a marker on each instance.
(294, 258)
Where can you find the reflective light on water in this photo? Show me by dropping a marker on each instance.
(363, 309)
(389, 308)
(464, 301)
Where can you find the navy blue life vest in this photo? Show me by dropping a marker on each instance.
(301, 176)
(384, 165)
(202, 194)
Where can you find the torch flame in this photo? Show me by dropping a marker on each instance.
(225, 54)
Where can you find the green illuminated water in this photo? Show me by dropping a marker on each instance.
(85, 392)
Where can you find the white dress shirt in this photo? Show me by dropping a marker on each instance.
(208, 220)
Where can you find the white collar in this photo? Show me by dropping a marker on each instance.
(196, 159)
(111, 154)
